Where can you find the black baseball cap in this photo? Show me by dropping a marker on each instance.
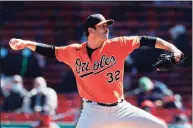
(96, 19)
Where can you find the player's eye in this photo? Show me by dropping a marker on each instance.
(101, 27)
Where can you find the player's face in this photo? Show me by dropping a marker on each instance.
(102, 31)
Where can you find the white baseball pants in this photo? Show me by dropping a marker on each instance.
(124, 115)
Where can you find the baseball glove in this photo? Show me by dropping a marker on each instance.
(166, 61)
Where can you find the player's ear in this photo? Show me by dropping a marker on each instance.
(91, 30)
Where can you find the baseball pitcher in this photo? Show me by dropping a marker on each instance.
(98, 66)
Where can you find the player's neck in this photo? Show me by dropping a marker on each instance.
(94, 43)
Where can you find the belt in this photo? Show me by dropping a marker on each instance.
(107, 105)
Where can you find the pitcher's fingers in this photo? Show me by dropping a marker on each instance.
(10, 42)
(13, 42)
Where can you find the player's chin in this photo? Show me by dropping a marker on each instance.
(105, 36)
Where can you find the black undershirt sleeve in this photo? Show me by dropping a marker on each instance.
(45, 50)
(147, 41)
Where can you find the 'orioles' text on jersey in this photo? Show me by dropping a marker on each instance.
(99, 78)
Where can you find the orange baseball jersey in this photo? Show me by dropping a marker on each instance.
(99, 78)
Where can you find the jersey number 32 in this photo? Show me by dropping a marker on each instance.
(113, 76)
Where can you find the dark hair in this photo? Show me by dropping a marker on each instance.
(86, 31)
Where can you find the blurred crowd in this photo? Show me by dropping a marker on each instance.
(154, 94)
(15, 98)
(42, 100)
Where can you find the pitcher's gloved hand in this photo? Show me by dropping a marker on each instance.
(167, 61)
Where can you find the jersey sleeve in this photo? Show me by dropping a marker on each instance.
(128, 44)
(63, 54)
